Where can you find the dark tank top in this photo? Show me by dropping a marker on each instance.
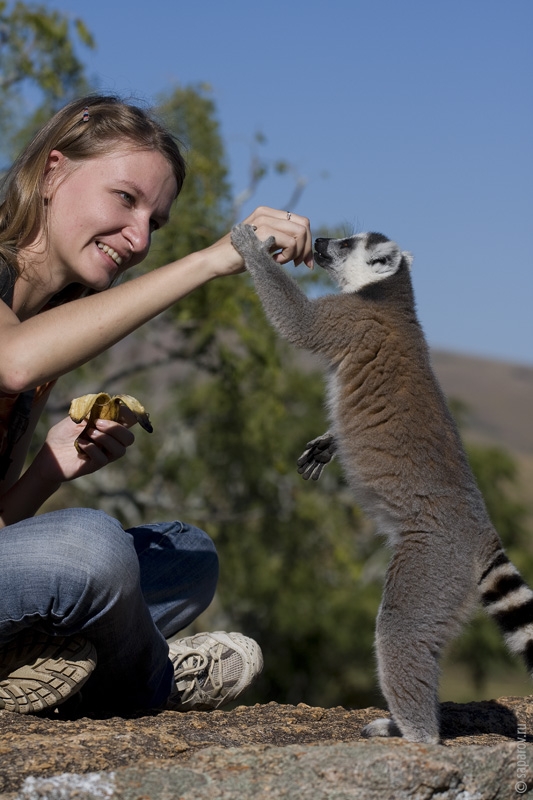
(15, 409)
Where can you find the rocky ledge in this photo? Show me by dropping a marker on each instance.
(269, 751)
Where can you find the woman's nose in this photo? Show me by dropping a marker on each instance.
(139, 236)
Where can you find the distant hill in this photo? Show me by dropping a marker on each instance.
(499, 396)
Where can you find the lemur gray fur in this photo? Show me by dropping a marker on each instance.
(402, 456)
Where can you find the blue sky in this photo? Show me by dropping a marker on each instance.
(410, 117)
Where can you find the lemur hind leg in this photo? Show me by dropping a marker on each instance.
(420, 613)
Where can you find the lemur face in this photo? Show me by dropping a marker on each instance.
(359, 260)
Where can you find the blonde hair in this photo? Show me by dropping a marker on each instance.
(83, 129)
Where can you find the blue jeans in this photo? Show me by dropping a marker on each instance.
(77, 571)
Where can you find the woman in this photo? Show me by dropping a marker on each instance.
(83, 602)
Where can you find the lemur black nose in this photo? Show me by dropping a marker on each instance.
(321, 246)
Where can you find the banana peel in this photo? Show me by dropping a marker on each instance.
(102, 406)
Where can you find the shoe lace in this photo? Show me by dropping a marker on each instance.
(197, 671)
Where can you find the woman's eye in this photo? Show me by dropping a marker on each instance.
(127, 197)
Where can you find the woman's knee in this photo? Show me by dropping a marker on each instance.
(106, 551)
(78, 563)
(85, 546)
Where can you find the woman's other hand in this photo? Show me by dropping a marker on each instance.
(59, 460)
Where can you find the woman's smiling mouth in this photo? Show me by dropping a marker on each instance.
(110, 252)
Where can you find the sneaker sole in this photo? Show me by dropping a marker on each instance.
(39, 672)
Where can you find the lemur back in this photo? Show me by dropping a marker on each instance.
(402, 456)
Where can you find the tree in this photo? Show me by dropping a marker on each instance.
(37, 54)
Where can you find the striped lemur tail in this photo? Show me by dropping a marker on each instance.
(507, 598)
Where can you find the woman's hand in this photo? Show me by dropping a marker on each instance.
(292, 233)
(59, 460)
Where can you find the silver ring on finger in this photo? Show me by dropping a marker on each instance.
(289, 215)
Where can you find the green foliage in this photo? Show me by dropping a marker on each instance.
(37, 51)
(37, 46)
(202, 213)
(496, 474)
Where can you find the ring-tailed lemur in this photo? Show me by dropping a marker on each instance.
(402, 455)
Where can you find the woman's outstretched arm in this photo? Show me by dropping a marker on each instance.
(60, 339)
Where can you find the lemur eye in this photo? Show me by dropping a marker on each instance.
(343, 245)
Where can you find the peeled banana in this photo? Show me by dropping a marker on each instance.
(101, 406)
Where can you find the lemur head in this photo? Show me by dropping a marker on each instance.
(360, 260)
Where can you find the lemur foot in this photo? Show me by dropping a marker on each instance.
(317, 454)
(387, 727)
(245, 241)
(381, 727)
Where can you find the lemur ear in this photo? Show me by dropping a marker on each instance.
(385, 258)
(408, 257)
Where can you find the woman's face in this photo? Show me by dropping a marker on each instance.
(102, 212)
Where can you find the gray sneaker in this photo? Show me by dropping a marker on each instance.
(211, 669)
(39, 672)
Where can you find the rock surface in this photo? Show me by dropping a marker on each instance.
(269, 751)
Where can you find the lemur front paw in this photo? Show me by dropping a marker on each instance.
(245, 241)
(317, 454)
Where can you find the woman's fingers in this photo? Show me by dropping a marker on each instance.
(292, 236)
(292, 233)
(109, 441)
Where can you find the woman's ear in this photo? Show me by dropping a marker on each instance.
(55, 164)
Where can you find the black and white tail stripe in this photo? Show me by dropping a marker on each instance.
(509, 601)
